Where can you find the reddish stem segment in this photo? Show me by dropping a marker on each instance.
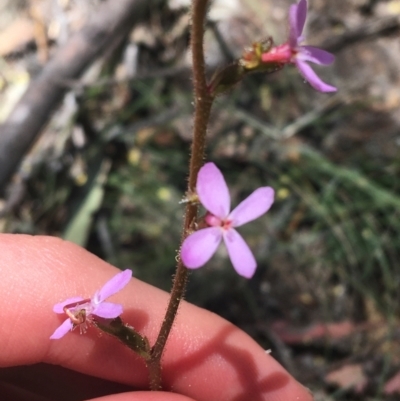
(203, 103)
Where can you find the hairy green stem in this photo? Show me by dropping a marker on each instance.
(203, 103)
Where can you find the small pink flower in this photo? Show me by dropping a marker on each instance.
(295, 53)
(198, 248)
(80, 311)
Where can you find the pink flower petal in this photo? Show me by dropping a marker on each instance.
(301, 16)
(112, 286)
(198, 247)
(108, 310)
(315, 55)
(240, 254)
(309, 75)
(254, 206)
(62, 330)
(59, 308)
(293, 31)
(213, 191)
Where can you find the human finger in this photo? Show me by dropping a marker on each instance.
(206, 357)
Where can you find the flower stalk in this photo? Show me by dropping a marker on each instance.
(203, 102)
(126, 334)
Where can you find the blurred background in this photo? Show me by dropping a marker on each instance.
(109, 167)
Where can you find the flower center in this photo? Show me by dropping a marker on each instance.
(214, 221)
(78, 312)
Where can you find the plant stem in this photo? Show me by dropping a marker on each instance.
(203, 103)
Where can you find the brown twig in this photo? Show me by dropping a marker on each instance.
(17, 134)
(367, 31)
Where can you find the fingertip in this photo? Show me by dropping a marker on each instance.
(144, 396)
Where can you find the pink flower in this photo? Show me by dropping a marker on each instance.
(213, 193)
(295, 53)
(80, 311)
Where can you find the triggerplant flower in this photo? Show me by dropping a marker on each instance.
(80, 311)
(294, 52)
(213, 193)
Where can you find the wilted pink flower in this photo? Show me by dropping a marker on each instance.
(213, 193)
(294, 52)
(80, 311)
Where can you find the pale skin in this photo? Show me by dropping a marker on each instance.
(206, 358)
